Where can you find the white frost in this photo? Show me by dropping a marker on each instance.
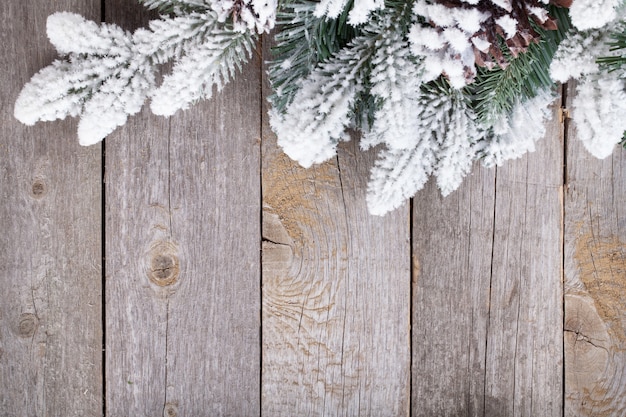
(508, 24)
(447, 50)
(516, 134)
(592, 14)
(598, 112)
(316, 120)
(576, 55)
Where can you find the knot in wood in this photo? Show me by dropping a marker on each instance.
(38, 189)
(27, 325)
(170, 410)
(164, 269)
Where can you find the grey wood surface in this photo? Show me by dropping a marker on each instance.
(336, 291)
(524, 363)
(50, 240)
(183, 265)
(487, 290)
(238, 283)
(452, 252)
(595, 281)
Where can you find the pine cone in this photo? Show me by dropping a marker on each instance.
(256, 15)
(509, 20)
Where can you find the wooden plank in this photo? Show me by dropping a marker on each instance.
(487, 291)
(50, 248)
(452, 247)
(183, 264)
(524, 375)
(336, 291)
(595, 284)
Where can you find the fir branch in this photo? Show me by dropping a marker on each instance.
(213, 62)
(109, 73)
(303, 41)
(395, 22)
(393, 84)
(513, 134)
(177, 7)
(397, 175)
(313, 124)
(496, 91)
(445, 138)
(323, 103)
(617, 46)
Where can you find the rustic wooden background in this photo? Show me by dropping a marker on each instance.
(194, 270)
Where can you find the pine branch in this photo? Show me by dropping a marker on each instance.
(213, 62)
(617, 46)
(323, 104)
(445, 136)
(514, 133)
(303, 41)
(393, 85)
(109, 73)
(177, 7)
(315, 121)
(496, 91)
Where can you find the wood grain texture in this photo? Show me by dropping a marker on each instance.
(336, 291)
(50, 245)
(452, 247)
(183, 256)
(524, 364)
(595, 281)
(487, 291)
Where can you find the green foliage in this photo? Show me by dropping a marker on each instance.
(615, 62)
(302, 42)
(178, 7)
(496, 91)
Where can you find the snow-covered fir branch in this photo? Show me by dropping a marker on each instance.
(445, 136)
(395, 79)
(600, 100)
(515, 134)
(109, 73)
(433, 85)
(312, 126)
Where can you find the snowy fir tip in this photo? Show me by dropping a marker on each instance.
(432, 86)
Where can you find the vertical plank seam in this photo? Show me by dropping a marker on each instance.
(103, 270)
(169, 176)
(565, 130)
(411, 296)
(493, 240)
(519, 299)
(262, 120)
(171, 238)
(343, 332)
(103, 250)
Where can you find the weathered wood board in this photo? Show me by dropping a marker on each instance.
(487, 290)
(595, 281)
(238, 283)
(50, 244)
(183, 264)
(336, 291)
(452, 251)
(524, 363)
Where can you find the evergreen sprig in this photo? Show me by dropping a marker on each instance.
(496, 91)
(303, 40)
(178, 7)
(618, 44)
